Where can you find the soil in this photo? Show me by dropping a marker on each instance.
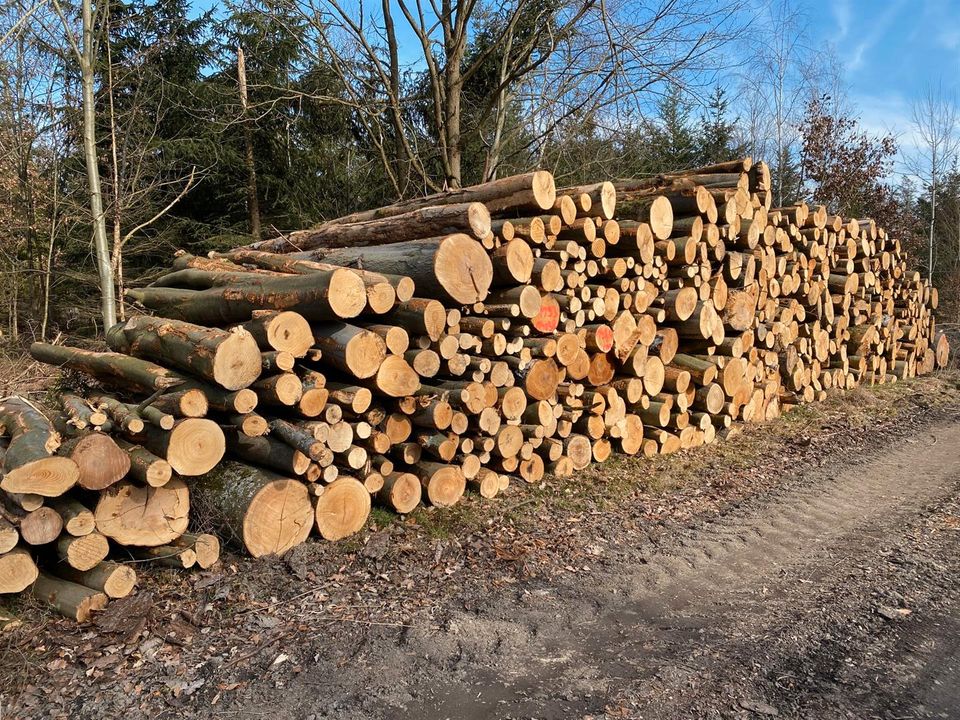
(805, 569)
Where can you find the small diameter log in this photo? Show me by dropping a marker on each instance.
(401, 492)
(29, 465)
(269, 453)
(170, 556)
(109, 367)
(403, 287)
(206, 547)
(534, 190)
(193, 447)
(79, 413)
(77, 519)
(17, 570)
(112, 579)
(321, 296)
(251, 424)
(266, 513)
(297, 437)
(83, 553)
(228, 358)
(472, 218)
(191, 402)
(9, 535)
(69, 599)
(284, 389)
(100, 461)
(41, 526)
(157, 417)
(343, 508)
(444, 484)
(349, 348)
(146, 467)
(486, 483)
(395, 377)
(283, 331)
(123, 416)
(131, 514)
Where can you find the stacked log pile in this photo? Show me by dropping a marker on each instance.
(412, 352)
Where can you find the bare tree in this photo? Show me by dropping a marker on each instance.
(86, 48)
(777, 82)
(935, 120)
(518, 70)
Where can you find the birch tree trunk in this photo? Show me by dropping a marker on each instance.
(108, 305)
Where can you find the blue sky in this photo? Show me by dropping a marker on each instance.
(890, 51)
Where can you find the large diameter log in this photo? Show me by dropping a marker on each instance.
(454, 267)
(29, 465)
(131, 514)
(471, 218)
(193, 447)
(533, 190)
(100, 461)
(17, 571)
(114, 580)
(69, 599)
(318, 297)
(263, 512)
(342, 509)
(229, 358)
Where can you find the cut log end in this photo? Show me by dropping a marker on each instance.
(47, 477)
(463, 269)
(342, 509)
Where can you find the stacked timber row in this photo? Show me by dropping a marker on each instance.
(509, 330)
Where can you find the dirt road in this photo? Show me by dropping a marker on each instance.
(833, 597)
(807, 569)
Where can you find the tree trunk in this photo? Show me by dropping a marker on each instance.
(69, 599)
(108, 304)
(265, 513)
(230, 359)
(343, 509)
(339, 294)
(28, 462)
(469, 218)
(253, 202)
(112, 579)
(454, 267)
(131, 514)
(17, 571)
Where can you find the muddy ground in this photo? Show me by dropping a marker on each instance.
(807, 568)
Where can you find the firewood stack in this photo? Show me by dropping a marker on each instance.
(407, 353)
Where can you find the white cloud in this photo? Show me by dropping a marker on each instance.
(874, 33)
(842, 14)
